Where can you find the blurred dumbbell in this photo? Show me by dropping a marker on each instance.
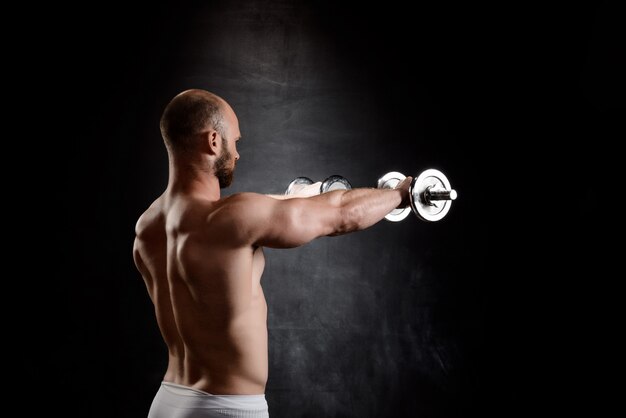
(334, 182)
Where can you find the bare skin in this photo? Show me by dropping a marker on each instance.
(201, 259)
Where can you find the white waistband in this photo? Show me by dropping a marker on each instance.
(208, 400)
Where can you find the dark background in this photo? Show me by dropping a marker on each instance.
(496, 310)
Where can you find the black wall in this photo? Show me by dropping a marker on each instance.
(450, 319)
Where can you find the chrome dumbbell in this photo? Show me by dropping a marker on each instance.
(430, 195)
(334, 182)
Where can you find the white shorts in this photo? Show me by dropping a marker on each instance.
(178, 401)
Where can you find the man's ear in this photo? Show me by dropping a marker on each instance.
(212, 142)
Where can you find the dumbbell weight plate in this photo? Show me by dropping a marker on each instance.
(437, 209)
(390, 181)
(297, 184)
(335, 182)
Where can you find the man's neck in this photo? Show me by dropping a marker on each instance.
(189, 178)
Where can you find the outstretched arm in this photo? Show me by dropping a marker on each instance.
(293, 222)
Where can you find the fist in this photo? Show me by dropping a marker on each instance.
(404, 186)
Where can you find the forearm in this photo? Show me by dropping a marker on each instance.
(363, 207)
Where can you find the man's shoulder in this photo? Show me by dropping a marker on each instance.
(149, 217)
(246, 200)
(243, 207)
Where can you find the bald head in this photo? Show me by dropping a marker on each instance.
(189, 114)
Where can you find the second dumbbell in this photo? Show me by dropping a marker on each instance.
(334, 182)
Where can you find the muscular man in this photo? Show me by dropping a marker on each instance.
(201, 259)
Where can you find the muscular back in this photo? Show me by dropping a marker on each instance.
(202, 264)
(203, 277)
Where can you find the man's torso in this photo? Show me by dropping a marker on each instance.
(204, 281)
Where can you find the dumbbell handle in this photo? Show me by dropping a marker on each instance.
(432, 193)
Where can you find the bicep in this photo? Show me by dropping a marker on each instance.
(294, 222)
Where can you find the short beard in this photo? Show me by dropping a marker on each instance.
(222, 172)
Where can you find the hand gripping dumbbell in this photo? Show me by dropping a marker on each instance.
(331, 183)
(430, 194)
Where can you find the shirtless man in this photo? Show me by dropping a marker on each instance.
(201, 259)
